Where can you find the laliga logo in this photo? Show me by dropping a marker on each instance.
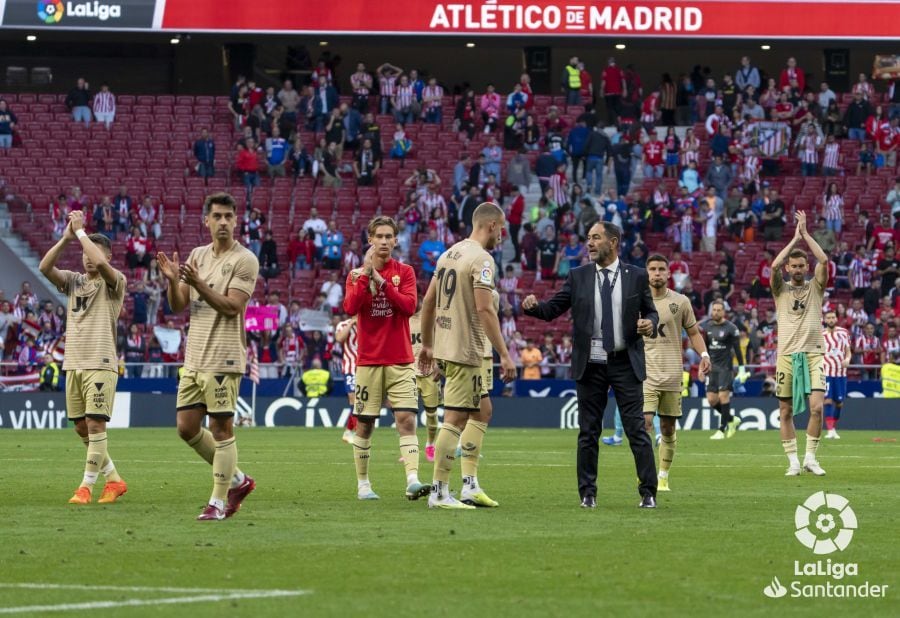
(825, 523)
(50, 12)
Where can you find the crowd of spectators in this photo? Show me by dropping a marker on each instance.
(712, 184)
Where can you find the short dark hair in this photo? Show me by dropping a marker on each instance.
(377, 222)
(717, 302)
(797, 254)
(657, 257)
(612, 230)
(222, 199)
(101, 240)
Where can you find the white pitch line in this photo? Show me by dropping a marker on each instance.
(48, 586)
(206, 598)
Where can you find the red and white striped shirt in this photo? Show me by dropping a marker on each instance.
(648, 109)
(557, 183)
(291, 348)
(837, 343)
(690, 151)
(832, 156)
(869, 348)
(858, 318)
(428, 203)
(435, 91)
(325, 72)
(860, 272)
(387, 84)
(890, 346)
(360, 82)
(752, 165)
(404, 96)
(809, 148)
(864, 88)
(104, 103)
(833, 207)
(348, 360)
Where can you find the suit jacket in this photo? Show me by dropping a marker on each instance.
(577, 294)
(331, 96)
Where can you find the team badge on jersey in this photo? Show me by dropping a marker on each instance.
(227, 268)
(673, 307)
(395, 280)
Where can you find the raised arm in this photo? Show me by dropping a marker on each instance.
(48, 262)
(551, 309)
(817, 251)
(96, 256)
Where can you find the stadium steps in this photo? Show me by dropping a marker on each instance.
(19, 249)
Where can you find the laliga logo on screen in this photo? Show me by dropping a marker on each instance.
(50, 12)
(825, 523)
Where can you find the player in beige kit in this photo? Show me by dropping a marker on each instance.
(457, 314)
(798, 303)
(664, 359)
(91, 364)
(216, 282)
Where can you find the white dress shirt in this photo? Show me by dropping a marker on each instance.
(618, 332)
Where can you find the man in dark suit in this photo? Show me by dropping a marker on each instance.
(612, 310)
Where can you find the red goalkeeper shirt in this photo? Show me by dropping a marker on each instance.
(383, 319)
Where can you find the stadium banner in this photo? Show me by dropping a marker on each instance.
(80, 14)
(675, 18)
(770, 19)
(47, 411)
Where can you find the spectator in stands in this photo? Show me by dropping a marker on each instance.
(887, 142)
(855, 117)
(247, 165)
(808, 146)
(743, 222)
(888, 270)
(7, 125)
(205, 154)
(325, 100)
(361, 84)
(149, 218)
(387, 82)
(747, 75)
(77, 201)
(104, 218)
(709, 226)
(833, 208)
(136, 249)
(893, 200)
(493, 157)
(268, 257)
(612, 89)
(351, 258)
(548, 247)
(867, 349)
(330, 162)
(825, 236)
(301, 162)
(78, 101)
(864, 88)
(276, 153)
(529, 247)
(318, 227)
(401, 145)
(290, 100)
(140, 300)
(105, 106)
(465, 114)
(302, 251)
(432, 101)
(366, 164)
(332, 246)
(124, 209)
(429, 252)
(531, 358)
(333, 290)
(489, 106)
(772, 218)
(719, 176)
(621, 164)
(252, 229)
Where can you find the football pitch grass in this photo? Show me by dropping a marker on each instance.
(303, 545)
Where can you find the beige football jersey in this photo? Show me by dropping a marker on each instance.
(664, 352)
(458, 336)
(415, 335)
(799, 311)
(488, 348)
(216, 343)
(93, 308)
